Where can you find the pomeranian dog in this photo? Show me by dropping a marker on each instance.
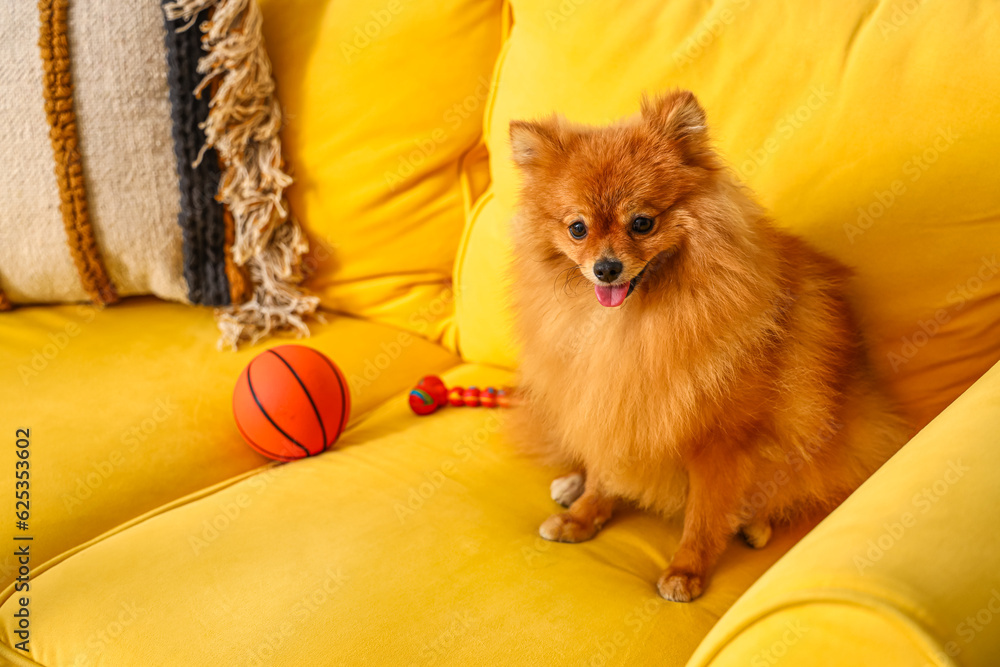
(714, 367)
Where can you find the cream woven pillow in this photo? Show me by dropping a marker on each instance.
(110, 190)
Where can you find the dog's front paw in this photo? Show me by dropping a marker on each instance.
(565, 527)
(679, 586)
(567, 488)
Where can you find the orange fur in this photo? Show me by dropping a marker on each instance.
(732, 382)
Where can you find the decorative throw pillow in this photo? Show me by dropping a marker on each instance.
(144, 159)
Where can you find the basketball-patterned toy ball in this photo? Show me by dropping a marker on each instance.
(291, 402)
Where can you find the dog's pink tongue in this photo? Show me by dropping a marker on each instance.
(611, 296)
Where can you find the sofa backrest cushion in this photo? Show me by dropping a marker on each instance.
(382, 100)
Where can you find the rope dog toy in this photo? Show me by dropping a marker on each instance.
(431, 394)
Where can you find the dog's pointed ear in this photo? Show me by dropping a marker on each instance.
(679, 117)
(533, 142)
(677, 114)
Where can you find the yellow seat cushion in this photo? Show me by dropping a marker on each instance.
(130, 407)
(903, 573)
(381, 99)
(416, 543)
(865, 128)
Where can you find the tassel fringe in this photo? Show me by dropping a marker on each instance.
(242, 125)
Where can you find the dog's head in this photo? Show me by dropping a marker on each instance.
(611, 199)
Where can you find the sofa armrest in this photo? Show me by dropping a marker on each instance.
(905, 572)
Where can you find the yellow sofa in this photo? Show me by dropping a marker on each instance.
(160, 538)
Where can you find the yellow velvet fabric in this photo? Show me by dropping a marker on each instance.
(830, 634)
(130, 407)
(416, 543)
(865, 127)
(903, 573)
(381, 100)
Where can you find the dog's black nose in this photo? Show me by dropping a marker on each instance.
(607, 270)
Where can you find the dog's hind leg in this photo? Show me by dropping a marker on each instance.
(757, 532)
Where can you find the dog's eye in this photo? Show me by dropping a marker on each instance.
(578, 230)
(642, 224)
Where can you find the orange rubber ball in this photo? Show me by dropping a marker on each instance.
(291, 402)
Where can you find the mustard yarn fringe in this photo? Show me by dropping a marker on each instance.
(242, 125)
(57, 84)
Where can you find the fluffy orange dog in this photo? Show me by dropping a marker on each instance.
(713, 358)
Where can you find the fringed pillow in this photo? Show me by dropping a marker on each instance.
(143, 158)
